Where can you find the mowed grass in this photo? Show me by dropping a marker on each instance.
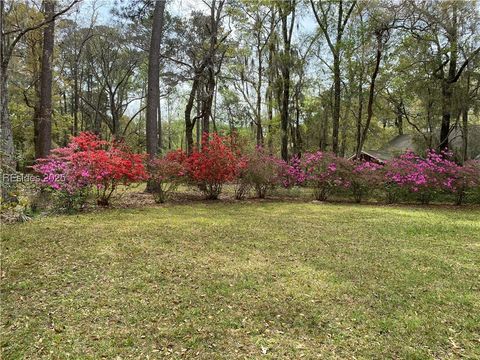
(244, 280)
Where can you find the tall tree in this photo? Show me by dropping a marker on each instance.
(323, 15)
(10, 38)
(287, 18)
(448, 29)
(153, 89)
(43, 118)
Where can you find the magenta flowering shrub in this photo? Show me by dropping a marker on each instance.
(89, 162)
(66, 179)
(423, 177)
(323, 171)
(365, 177)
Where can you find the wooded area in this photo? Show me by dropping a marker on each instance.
(291, 75)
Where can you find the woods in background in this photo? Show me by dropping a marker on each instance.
(292, 76)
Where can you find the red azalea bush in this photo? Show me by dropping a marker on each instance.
(213, 166)
(365, 177)
(323, 171)
(167, 172)
(89, 162)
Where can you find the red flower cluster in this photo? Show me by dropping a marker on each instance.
(214, 165)
(89, 161)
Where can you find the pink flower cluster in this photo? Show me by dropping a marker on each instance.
(430, 175)
(91, 162)
(322, 171)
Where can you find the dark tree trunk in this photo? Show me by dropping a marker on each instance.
(371, 93)
(399, 118)
(76, 100)
(259, 134)
(269, 91)
(449, 83)
(285, 71)
(465, 133)
(447, 93)
(153, 89)
(336, 102)
(43, 139)
(189, 123)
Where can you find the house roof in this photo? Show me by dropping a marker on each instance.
(398, 145)
(402, 143)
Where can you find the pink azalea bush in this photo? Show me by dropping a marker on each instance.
(91, 163)
(423, 177)
(322, 171)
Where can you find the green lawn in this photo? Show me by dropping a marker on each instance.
(244, 280)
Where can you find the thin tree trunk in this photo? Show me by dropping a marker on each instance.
(159, 128)
(76, 100)
(399, 119)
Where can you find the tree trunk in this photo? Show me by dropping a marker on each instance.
(465, 133)
(399, 119)
(43, 141)
(269, 91)
(6, 138)
(259, 94)
(336, 102)
(153, 89)
(358, 150)
(371, 93)
(159, 128)
(446, 114)
(189, 123)
(76, 100)
(449, 83)
(285, 70)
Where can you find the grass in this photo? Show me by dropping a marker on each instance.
(244, 280)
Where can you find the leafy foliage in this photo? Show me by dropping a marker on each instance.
(89, 162)
(167, 172)
(214, 165)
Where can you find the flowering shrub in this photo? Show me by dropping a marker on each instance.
(63, 175)
(323, 171)
(262, 171)
(365, 176)
(167, 172)
(423, 177)
(91, 162)
(213, 166)
(463, 179)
